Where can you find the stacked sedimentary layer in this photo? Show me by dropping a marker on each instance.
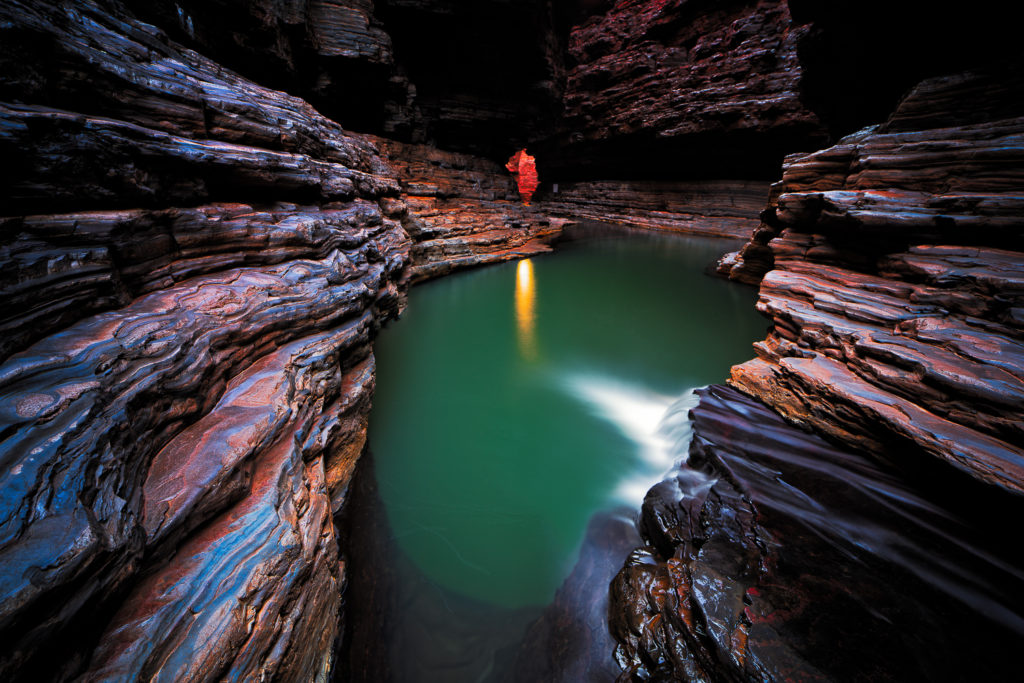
(463, 210)
(467, 75)
(897, 288)
(775, 556)
(321, 50)
(648, 74)
(721, 208)
(193, 267)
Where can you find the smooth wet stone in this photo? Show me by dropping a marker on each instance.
(802, 561)
(571, 640)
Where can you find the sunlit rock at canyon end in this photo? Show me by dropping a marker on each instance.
(523, 168)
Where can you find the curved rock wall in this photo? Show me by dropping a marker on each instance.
(480, 77)
(194, 267)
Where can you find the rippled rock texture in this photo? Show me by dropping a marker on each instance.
(772, 555)
(895, 288)
(194, 267)
(464, 211)
(321, 50)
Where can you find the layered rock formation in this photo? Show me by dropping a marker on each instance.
(895, 293)
(196, 265)
(426, 71)
(464, 211)
(676, 86)
(676, 114)
(773, 555)
(720, 208)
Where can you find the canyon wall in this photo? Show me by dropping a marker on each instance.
(895, 288)
(676, 114)
(480, 77)
(683, 89)
(194, 268)
(890, 266)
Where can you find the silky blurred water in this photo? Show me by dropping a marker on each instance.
(516, 401)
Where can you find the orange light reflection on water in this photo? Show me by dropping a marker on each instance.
(526, 316)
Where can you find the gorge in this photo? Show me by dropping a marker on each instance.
(209, 211)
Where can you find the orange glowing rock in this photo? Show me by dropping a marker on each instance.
(523, 168)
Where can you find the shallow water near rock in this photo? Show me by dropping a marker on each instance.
(515, 402)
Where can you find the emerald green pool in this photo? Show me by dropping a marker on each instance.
(516, 401)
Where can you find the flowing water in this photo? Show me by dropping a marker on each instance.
(513, 404)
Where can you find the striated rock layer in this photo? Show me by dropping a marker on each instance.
(684, 89)
(462, 75)
(464, 211)
(194, 267)
(896, 282)
(720, 208)
(773, 555)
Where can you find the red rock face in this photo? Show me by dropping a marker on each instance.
(463, 211)
(669, 83)
(523, 168)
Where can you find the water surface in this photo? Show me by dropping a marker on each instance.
(515, 402)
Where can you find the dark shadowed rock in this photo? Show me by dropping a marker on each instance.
(571, 640)
(776, 556)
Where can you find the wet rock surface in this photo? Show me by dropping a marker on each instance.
(571, 640)
(195, 266)
(774, 555)
(894, 288)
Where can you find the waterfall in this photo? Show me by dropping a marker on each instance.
(658, 425)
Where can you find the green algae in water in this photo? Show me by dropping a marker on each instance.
(514, 402)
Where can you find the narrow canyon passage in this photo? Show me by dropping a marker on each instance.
(214, 216)
(517, 402)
